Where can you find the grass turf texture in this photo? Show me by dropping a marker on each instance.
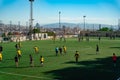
(62, 67)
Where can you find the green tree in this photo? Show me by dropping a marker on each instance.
(50, 33)
(104, 29)
(10, 33)
(3, 35)
(36, 30)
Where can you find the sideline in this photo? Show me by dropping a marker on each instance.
(25, 75)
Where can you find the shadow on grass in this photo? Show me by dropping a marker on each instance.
(9, 59)
(115, 47)
(18, 67)
(91, 54)
(99, 69)
(14, 67)
(51, 56)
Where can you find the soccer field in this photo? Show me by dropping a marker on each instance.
(91, 66)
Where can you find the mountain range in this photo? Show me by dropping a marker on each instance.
(80, 25)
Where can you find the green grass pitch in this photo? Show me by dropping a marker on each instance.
(62, 67)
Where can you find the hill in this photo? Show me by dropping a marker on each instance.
(81, 25)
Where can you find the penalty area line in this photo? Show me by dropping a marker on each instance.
(25, 75)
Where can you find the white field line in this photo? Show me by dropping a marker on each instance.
(25, 75)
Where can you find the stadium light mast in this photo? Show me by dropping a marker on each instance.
(31, 18)
(10, 26)
(84, 21)
(60, 25)
(59, 19)
(19, 29)
(119, 24)
(19, 26)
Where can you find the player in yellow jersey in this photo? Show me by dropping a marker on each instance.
(41, 60)
(0, 56)
(36, 49)
(1, 49)
(19, 53)
(64, 49)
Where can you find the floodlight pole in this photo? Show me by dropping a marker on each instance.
(84, 21)
(31, 18)
(10, 26)
(59, 20)
(19, 29)
(19, 26)
(60, 25)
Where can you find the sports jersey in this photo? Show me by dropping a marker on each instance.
(0, 56)
(19, 52)
(42, 59)
(36, 49)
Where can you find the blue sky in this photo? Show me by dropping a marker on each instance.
(72, 11)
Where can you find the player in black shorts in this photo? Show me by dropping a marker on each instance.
(16, 60)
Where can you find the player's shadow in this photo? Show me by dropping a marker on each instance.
(51, 56)
(115, 47)
(14, 67)
(92, 54)
(9, 59)
(99, 69)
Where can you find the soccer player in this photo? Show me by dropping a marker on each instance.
(36, 49)
(56, 50)
(76, 56)
(16, 60)
(114, 58)
(60, 49)
(64, 49)
(19, 53)
(97, 49)
(41, 60)
(0, 56)
(99, 38)
(31, 61)
(1, 48)
(17, 46)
